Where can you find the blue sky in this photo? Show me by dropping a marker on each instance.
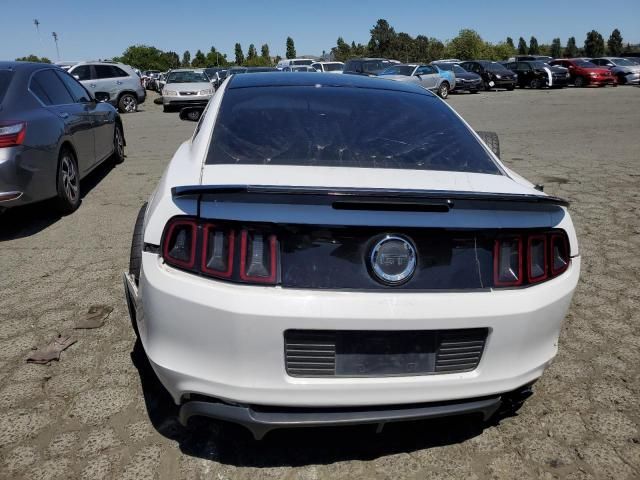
(91, 30)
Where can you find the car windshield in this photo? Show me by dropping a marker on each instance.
(585, 64)
(5, 80)
(343, 127)
(398, 70)
(459, 69)
(375, 66)
(496, 67)
(622, 62)
(301, 62)
(538, 65)
(187, 77)
(333, 67)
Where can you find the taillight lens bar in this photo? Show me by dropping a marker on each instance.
(520, 260)
(239, 254)
(12, 133)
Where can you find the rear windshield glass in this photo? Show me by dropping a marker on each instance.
(5, 80)
(343, 127)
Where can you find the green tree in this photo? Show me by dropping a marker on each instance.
(170, 60)
(239, 54)
(341, 52)
(556, 48)
(522, 46)
(502, 51)
(145, 57)
(383, 37)
(264, 52)
(291, 48)
(199, 60)
(571, 50)
(510, 43)
(252, 53)
(33, 58)
(533, 46)
(403, 47)
(436, 49)
(186, 58)
(614, 44)
(594, 44)
(468, 45)
(422, 48)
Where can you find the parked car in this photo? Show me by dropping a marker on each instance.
(427, 76)
(328, 67)
(399, 272)
(290, 62)
(526, 58)
(299, 68)
(120, 81)
(494, 74)
(161, 82)
(626, 71)
(536, 74)
(53, 132)
(186, 87)
(583, 73)
(367, 66)
(469, 81)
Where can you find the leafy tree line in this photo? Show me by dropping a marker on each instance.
(468, 44)
(384, 42)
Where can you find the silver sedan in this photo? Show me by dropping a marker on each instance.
(186, 88)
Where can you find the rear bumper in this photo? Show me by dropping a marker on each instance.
(26, 175)
(226, 341)
(260, 420)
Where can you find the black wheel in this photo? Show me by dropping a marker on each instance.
(128, 103)
(492, 141)
(135, 256)
(579, 82)
(68, 183)
(118, 144)
(443, 90)
(535, 83)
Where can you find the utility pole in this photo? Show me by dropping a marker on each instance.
(55, 39)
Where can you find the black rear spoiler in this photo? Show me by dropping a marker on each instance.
(343, 198)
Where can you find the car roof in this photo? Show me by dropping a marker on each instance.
(25, 66)
(277, 79)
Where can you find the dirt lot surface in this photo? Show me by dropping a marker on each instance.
(99, 412)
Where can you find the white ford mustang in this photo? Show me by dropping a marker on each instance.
(336, 250)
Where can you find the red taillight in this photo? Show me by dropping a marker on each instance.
(212, 250)
(12, 133)
(218, 246)
(559, 254)
(179, 246)
(537, 265)
(507, 262)
(546, 256)
(257, 257)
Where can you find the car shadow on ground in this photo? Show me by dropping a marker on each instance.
(22, 222)
(231, 444)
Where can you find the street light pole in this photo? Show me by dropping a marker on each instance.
(55, 39)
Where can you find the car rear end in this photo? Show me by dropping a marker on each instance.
(387, 275)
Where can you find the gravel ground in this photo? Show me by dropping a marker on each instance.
(99, 412)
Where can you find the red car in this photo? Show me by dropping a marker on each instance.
(585, 73)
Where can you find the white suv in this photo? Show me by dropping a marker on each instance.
(119, 80)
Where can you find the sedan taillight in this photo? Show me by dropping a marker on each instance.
(12, 133)
(546, 256)
(246, 255)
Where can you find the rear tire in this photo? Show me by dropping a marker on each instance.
(67, 183)
(535, 83)
(492, 141)
(443, 90)
(127, 103)
(137, 242)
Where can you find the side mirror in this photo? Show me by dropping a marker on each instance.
(101, 97)
(191, 114)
